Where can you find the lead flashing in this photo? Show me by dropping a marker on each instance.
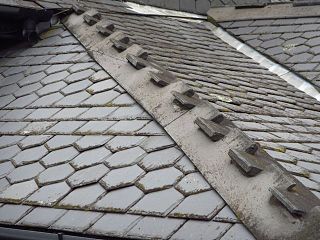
(284, 73)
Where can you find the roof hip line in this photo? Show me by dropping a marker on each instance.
(282, 72)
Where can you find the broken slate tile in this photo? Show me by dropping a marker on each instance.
(59, 156)
(6, 168)
(49, 195)
(158, 203)
(114, 224)
(89, 142)
(29, 155)
(33, 141)
(66, 127)
(16, 193)
(61, 141)
(199, 206)
(155, 228)
(192, 183)
(122, 177)
(41, 217)
(25, 173)
(88, 175)
(119, 200)
(55, 174)
(76, 221)
(83, 197)
(119, 143)
(12, 213)
(125, 158)
(90, 158)
(201, 230)
(155, 143)
(159, 179)
(160, 159)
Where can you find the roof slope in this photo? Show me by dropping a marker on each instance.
(73, 140)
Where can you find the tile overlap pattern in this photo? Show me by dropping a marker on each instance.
(292, 42)
(88, 157)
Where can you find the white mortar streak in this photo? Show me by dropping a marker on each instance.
(282, 72)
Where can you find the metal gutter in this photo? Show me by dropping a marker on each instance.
(282, 72)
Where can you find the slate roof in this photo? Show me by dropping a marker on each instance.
(59, 108)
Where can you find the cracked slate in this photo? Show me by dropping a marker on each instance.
(125, 158)
(42, 217)
(192, 183)
(88, 175)
(90, 158)
(160, 159)
(49, 195)
(159, 179)
(18, 192)
(158, 203)
(119, 200)
(122, 177)
(59, 156)
(77, 221)
(55, 174)
(200, 206)
(83, 197)
(12, 213)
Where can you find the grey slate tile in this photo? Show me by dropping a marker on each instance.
(61, 141)
(57, 68)
(97, 113)
(155, 228)
(76, 221)
(87, 175)
(122, 177)
(25, 173)
(62, 58)
(73, 99)
(6, 168)
(30, 155)
(33, 78)
(47, 100)
(12, 213)
(114, 224)
(76, 87)
(90, 158)
(69, 114)
(155, 143)
(37, 127)
(42, 113)
(80, 67)
(226, 215)
(159, 179)
(124, 142)
(101, 86)
(127, 126)
(16, 193)
(89, 142)
(41, 217)
(66, 127)
(160, 159)
(55, 77)
(238, 232)
(192, 183)
(59, 156)
(51, 88)
(49, 195)
(152, 128)
(124, 99)
(12, 127)
(5, 100)
(158, 203)
(199, 206)
(10, 89)
(8, 152)
(74, 77)
(22, 102)
(82, 197)
(95, 127)
(185, 165)
(101, 99)
(99, 76)
(27, 89)
(201, 230)
(4, 184)
(6, 141)
(130, 112)
(55, 174)
(125, 158)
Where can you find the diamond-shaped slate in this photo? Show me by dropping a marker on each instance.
(160, 159)
(122, 177)
(125, 158)
(119, 200)
(88, 175)
(76, 221)
(114, 224)
(90, 157)
(155, 143)
(158, 203)
(201, 206)
(8, 152)
(89, 142)
(155, 228)
(201, 230)
(61, 141)
(55, 174)
(83, 197)
(17, 192)
(25, 172)
(159, 179)
(49, 195)
(41, 217)
(124, 142)
(33, 141)
(12, 213)
(59, 156)
(30, 155)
